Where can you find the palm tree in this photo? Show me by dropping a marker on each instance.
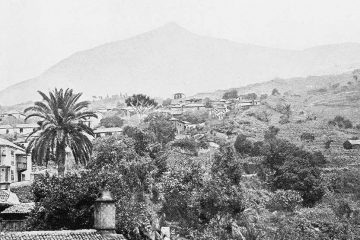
(61, 127)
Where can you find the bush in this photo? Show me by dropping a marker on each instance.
(161, 127)
(263, 116)
(307, 137)
(275, 92)
(194, 117)
(292, 168)
(113, 121)
(242, 145)
(186, 144)
(284, 120)
(230, 94)
(341, 122)
(284, 200)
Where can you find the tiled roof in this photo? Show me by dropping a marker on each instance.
(8, 198)
(27, 125)
(5, 142)
(22, 208)
(60, 235)
(354, 142)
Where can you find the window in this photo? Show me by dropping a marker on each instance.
(22, 177)
(7, 131)
(21, 130)
(12, 175)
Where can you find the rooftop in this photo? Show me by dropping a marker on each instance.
(88, 234)
(22, 208)
(4, 142)
(354, 142)
(27, 125)
(105, 130)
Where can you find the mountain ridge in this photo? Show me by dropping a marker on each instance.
(172, 59)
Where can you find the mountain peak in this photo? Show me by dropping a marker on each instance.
(171, 28)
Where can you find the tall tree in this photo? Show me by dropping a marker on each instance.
(140, 103)
(230, 94)
(61, 127)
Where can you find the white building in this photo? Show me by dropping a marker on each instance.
(6, 129)
(15, 164)
(26, 128)
(101, 132)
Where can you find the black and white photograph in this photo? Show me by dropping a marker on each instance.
(179, 120)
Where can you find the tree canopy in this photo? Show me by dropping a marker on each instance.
(230, 94)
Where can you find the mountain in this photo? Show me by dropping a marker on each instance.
(171, 59)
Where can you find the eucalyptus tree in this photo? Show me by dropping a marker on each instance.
(61, 117)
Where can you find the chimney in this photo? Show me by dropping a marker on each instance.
(104, 214)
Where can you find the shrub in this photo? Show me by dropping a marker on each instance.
(347, 123)
(284, 120)
(186, 144)
(230, 94)
(275, 92)
(242, 145)
(161, 127)
(328, 143)
(292, 168)
(113, 121)
(284, 200)
(307, 137)
(341, 122)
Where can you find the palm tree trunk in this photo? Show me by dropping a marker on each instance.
(60, 158)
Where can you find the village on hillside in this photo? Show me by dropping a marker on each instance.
(181, 130)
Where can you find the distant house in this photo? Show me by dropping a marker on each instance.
(6, 129)
(103, 110)
(247, 103)
(17, 115)
(127, 111)
(194, 107)
(93, 122)
(179, 125)
(101, 132)
(351, 144)
(15, 163)
(218, 112)
(26, 128)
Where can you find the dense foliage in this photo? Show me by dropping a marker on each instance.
(230, 94)
(112, 121)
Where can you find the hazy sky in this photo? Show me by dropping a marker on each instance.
(38, 33)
